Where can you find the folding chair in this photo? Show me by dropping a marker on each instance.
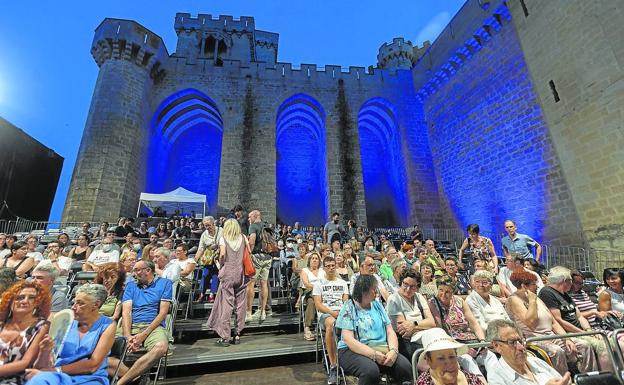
(597, 378)
(320, 336)
(119, 351)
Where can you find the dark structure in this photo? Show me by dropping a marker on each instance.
(29, 175)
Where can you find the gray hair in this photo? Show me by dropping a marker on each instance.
(482, 274)
(493, 330)
(559, 274)
(164, 251)
(208, 219)
(149, 264)
(48, 269)
(96, 291)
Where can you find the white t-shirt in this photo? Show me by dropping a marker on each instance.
(37, 256)
(171, 272)
(99, 257)
(380, 283)
(331, 292)
(311, 277)
(184, 264)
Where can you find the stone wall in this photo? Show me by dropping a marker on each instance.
(493, 153)
(575, 48)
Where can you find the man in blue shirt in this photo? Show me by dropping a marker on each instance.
(519, 244)
(146, 304)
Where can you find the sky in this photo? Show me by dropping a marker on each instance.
(47, 74)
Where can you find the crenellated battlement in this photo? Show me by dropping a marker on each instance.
(457, 44)
(121, 39)
(287, 71)
(184, 21)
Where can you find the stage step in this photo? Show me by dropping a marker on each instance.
(208, 306)
(275, 320)
(256, 345)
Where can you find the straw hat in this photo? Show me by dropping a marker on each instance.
(436, 339)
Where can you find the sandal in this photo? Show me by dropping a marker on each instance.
(309, 337)
(235, 340)
(222, 342)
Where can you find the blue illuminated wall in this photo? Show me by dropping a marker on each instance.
(383, 165)
(492, 150)
(185, 146)
(302, 191)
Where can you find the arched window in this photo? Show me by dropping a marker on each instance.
(185, 146)
(383, 165)
(301, 168)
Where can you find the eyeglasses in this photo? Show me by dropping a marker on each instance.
(21, 297)
(482, 283)
(410, 287)
(139, 269)
(330, 265)
(512, 343)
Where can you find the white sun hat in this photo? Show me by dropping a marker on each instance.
(436, 339)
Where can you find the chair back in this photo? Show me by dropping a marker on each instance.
(597, 378)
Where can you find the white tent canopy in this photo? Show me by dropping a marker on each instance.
(178, 199)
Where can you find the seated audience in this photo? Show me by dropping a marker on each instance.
(128, 260)
(612, 298)
(350, 258)
(434, 258)
(5, 250)
(534, 319)
(453, 314)
(46, 275)
(398, 267)
(564, 311)
(33, 251)
(65, 244)
(504, 274)
(146, 304)
(329, 294)
(343, 270)
(106, 253)
(165, 268)
(309, 276)
(152, 244)
(113, 277)
(462, 287)
(514, 366)
(7, 278)
(584, 304)
(53, 256)
(368, 344)
(19, 260)
(125, 226)
(187, 266)
(428, 287)
(82, 251)
(441, 354)
(409, 312)
(368, 267)
(24, 309)
(485, 307)
(101, 231)
(83, 357)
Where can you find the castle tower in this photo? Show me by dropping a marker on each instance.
(223, 38)
(109, 172)
(396, 55)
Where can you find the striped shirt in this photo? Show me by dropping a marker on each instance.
(584, 303)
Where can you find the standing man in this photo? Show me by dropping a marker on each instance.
(262, 263)
(333, 229)
(242, 221)
(519, 244)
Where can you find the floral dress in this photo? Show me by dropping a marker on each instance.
(14, 350)
(426, 379)
(453, 319)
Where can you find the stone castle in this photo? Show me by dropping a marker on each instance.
(515, 111)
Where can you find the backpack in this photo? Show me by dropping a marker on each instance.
(269, 244)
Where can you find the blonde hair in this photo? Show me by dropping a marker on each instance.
(231, 230)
